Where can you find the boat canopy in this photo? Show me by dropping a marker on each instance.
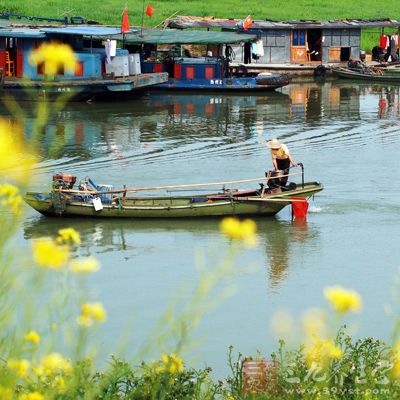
(176, 36)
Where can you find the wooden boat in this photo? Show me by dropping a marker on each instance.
(387, 74)
(64, 201)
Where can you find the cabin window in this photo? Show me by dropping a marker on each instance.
(299, 38)
(158, 67)
(40, 68)
(60, 70)
(79, 68)
(209, 72)
(189, 72)
(177, 71)
(190, 106)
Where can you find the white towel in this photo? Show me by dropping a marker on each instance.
(113, 48)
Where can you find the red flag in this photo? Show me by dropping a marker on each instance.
(125, 21)
(247, 23)
(149, 10)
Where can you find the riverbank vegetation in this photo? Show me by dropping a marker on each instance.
(109, 12)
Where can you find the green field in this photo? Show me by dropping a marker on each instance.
(109, 11)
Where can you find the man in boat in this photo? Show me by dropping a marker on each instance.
(281, 159)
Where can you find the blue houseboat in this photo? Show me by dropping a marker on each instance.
(95, 74)
(194, 60)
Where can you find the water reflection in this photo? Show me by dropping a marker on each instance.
(279, 239)
(388, 103)
(284, 241)
(164, 127)
(312, 101)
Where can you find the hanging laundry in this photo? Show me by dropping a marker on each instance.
(108, 51)
(113, 48)
(260, 48)
(393, 48)
(383, 42)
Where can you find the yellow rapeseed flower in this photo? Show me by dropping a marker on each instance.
(68, 235)
(48, 254)
(172, 363)
(32, 337)
(91, 313)
(243, 230)
(15, 159)
(20, 367)
(54, 56)
(396, 360)
(321, 351)
(52, 364)
(31, 396)
(10, 197)
(396, 367)
(59, 383)
(85, 265)
(343, 300)
(6, 393)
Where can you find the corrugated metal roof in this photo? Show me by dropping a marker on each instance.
(22, 32)
(198, 22)
(93, 30)
(38, 31)
(172, 36)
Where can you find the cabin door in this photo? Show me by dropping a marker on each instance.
(298, 46)
(3, 55)
(20, 58)
(314, 44)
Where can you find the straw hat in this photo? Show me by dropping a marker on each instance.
(274, 144)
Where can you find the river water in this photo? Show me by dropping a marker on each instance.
(345, 133)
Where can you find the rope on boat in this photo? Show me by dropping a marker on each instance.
(175, 186)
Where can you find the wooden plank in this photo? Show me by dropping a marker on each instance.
(334, 54)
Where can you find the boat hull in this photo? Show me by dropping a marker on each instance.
(174, 207)
(385, 76)
(79, 90)
(264, 83)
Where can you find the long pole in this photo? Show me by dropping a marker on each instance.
(139, 189)
(141, 31)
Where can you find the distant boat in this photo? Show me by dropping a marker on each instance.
(104, 202)
(91, 77)
(381, 74)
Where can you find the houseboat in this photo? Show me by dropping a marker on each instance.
(198, 60)
(299, 47)
(94, 75)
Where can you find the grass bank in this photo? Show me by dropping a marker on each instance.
(109, 12)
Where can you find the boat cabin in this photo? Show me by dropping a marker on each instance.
(294, 42)
(185, 55)
(16, 42)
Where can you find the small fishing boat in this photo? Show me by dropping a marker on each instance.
(381, 74)
(91, 200)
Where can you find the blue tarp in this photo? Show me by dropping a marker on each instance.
(96, 30)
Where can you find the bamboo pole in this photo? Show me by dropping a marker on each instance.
(148, 188)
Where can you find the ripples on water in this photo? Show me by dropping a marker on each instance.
(346, 134)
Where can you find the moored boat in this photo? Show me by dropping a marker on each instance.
(91, 200)
(199, 60)
(385, 74)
